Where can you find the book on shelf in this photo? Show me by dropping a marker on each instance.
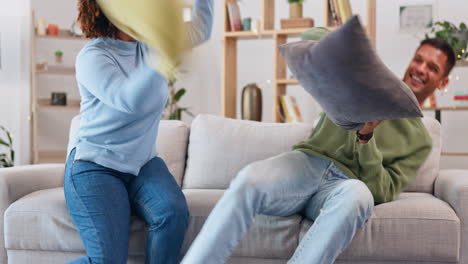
(235, 21)
(290, 109)
(332, 14)
(339, 11)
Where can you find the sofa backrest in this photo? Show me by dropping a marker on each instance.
(429, 170)
(171, 144)
(220, 147)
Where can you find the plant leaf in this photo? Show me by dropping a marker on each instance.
(2, 142)
(179, 94)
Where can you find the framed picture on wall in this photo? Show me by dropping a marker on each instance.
(416, 18)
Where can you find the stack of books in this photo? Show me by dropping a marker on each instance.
(289, 109)
(460, 99)
(340, 11)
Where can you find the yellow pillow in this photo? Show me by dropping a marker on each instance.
(157, 23)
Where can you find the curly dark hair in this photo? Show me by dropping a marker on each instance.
(93, 22)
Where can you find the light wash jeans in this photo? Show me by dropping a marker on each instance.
(101, 200)
(287, 184)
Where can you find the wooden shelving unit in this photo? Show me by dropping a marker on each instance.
(280, 36)
(41, 108)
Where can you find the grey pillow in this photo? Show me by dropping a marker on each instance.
(347, 78)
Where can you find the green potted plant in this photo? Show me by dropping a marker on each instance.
(172, 110)
(5, 159)
(295, 8)
(58, 56)
(456, 36)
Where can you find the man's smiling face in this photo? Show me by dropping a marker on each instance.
(427, 71)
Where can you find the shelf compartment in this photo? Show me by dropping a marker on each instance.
(51, 157)
(71, 104)
(62, 34)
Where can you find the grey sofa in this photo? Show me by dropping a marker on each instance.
(427, 224)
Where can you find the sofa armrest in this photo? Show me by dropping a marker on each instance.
(19, 181)
(451, 186)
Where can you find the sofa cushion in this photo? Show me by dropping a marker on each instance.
(269, 237)
(171, 144)
(427, 173)
(220, 147)
(40, 221)
(347, 78)
(415, 227)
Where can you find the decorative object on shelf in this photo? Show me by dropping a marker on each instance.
(297, 23)
(290, 109)
(75, 29)
(246, 24)
(7, 159)
(172, 110)
(251, 103)
(456, 36)
(58, 98)
(234, 16)
(52, 29)
(295, 8)
(58, 56)
(255, 25)
(41, 27)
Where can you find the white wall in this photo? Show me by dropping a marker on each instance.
(204, 63)
(14, 75)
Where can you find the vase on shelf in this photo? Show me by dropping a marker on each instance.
(251, 103)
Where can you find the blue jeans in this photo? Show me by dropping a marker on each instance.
(287, 184)
(101, 201)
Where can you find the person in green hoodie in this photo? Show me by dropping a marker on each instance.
(335, 177)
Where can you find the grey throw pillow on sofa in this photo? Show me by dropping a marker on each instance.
(347, 78)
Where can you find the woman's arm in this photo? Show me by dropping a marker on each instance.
(100, 75)
(199, 29)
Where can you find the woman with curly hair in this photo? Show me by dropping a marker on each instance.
(113, 171)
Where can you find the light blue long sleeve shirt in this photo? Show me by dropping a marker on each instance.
(122, 98)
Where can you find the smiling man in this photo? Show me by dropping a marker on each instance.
(334, 177)
(429, 68)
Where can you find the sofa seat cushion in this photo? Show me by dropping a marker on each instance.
(40, 221)
(269, 237)
(415, 227)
